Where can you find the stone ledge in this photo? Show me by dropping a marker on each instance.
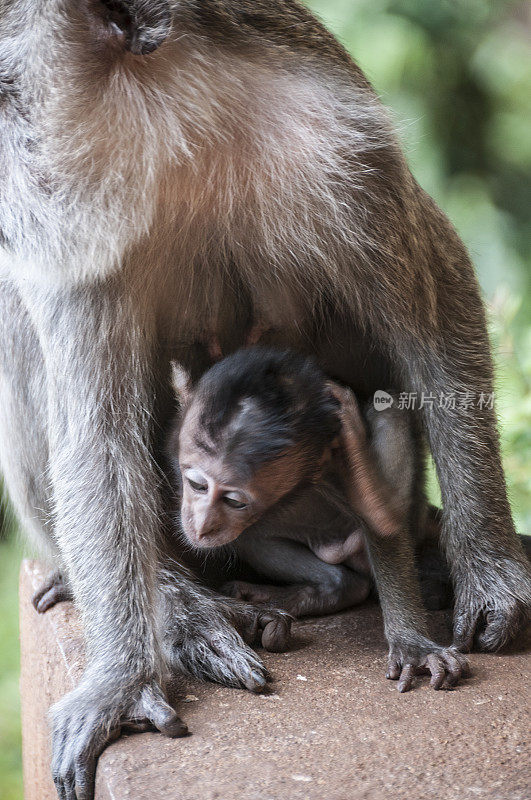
(332, 729)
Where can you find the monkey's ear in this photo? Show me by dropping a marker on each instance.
(181, 382)
(145, 24)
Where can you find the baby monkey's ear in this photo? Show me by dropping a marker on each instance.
(182, 383)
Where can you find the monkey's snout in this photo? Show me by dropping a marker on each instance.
(212, 537)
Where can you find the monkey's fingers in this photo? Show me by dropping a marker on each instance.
(502, 626)
(276, 633)
(457, 667)
(350, 413)
(393, 670)
(269, 626)
(160, 714)
(403, 673)
(465, 625)
(490, 622)
(80, 732)
(407, 678)
(251, 674)
(437, 671)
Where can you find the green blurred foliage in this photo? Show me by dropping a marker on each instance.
(10, 734)
(456, 76)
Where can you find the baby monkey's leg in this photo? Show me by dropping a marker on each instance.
(313, 587)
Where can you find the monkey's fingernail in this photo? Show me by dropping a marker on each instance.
(175, 729)
(257, 681)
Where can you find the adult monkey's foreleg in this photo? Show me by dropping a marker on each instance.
(96, 348)
(449, 360)
(492, 578)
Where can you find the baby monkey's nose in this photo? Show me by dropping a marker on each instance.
(208, 533)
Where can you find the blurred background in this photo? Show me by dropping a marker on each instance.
(456, 76)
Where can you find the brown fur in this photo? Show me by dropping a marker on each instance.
(243, 169)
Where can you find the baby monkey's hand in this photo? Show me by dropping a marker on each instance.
(369, 493)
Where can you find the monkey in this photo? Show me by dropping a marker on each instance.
(169, 166)
(260, 451)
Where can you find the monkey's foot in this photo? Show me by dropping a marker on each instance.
(446, 665)
(304, 599)
(490, 618)
(89, 718)
(289, 598)
(207, 636)
(54, 590)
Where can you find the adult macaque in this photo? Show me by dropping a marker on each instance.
(265, 466)
(168, 167)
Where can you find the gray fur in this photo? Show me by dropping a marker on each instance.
(246, 150)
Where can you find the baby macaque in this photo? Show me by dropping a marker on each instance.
(278, 463)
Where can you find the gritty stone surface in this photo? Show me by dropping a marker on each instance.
(331, 728)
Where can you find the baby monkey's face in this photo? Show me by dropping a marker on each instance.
(220, 499)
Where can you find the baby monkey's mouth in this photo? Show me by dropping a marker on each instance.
(207, 540)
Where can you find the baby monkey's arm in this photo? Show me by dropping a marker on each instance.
(377, 489)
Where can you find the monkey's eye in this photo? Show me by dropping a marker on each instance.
(197, 487)
(233, 502)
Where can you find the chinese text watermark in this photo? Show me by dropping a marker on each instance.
(446, 401)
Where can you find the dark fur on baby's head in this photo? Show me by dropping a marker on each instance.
(260, 401)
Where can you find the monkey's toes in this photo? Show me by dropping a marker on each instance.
(447, 666)
(54, 590)
(85, 721)
(487, 628)
(502, 627)
(154, 709)
(255, 681)
(276, 633)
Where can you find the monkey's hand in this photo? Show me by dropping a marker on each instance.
(492, 607)
(369, 494)
(207, 636)
(93, 715)
(420, 656)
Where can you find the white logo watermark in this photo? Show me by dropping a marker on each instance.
(382, 400)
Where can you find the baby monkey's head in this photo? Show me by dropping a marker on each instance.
(258, 425)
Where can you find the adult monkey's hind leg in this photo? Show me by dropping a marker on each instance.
(23, 421)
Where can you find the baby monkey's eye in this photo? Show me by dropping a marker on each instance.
(197, 487)
(233, 503)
